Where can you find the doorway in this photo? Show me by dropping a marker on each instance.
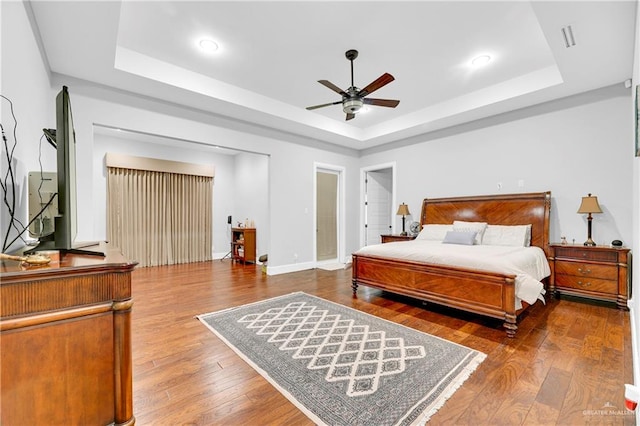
(378, 201)
(328, 215)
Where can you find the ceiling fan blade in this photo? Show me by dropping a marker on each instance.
(332, 86)
(323, 105)
(391, 103)
(381, 81)
(350, 116)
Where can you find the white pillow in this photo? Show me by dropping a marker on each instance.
(478, 227)
(434, 232)
(504, 235)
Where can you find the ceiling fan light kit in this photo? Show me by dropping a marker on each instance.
(354, 98)
(352, 106)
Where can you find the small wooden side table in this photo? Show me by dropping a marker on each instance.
(596, 272)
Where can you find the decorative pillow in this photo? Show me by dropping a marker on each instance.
(478, 227)
(434, 232)
(504, 235)
(466, 238)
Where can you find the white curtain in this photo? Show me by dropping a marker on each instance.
(160, 218)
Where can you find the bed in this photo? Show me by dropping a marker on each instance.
(479, 291)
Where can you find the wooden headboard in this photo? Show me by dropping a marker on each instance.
(505, 209)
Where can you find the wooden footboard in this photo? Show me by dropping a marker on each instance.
(483, 293)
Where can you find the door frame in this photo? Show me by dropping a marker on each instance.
(340, 171)
(363, 177)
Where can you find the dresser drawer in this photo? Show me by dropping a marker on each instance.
(587, 284)
(591, 254)
(587, 270)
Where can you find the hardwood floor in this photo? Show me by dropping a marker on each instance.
(567, 364)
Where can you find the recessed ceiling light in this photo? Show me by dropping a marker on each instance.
(208, 45)
(480, 61)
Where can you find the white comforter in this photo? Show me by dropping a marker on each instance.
(528, 264)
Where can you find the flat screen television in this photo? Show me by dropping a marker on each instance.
(65, 222)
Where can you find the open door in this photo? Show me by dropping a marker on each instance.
(378, 203)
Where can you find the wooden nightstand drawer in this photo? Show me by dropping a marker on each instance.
(588, 270)
(587, 284)
(590, 254)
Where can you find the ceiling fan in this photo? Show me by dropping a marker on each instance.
(353, 99)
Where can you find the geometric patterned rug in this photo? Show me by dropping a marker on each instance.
(341, 366)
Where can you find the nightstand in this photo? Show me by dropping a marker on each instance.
(387, 238)
(600, 272)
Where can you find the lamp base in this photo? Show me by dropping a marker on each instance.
(404, 233)
(589, 241)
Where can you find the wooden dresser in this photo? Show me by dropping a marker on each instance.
(599, 272)
(66, 341)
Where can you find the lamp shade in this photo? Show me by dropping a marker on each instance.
(403, 210)
(589, 205)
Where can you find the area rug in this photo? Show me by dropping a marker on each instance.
(341, 366)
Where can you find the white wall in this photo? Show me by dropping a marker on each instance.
(251, 196)
(635, 198)
(570, 152)
(25, 81)
(292, 204)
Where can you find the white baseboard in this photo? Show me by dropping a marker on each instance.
(634, 341)
(219, 255)
(294, 267)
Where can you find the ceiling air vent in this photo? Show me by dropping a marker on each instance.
(567, 34)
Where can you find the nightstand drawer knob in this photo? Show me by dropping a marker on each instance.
(581, 284)
(584, 271)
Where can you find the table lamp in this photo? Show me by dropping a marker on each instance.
(588, 206)
(403, 210)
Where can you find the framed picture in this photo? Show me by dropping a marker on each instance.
(637, 119)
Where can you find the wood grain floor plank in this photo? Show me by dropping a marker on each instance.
(541, 415)
(553, 390)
